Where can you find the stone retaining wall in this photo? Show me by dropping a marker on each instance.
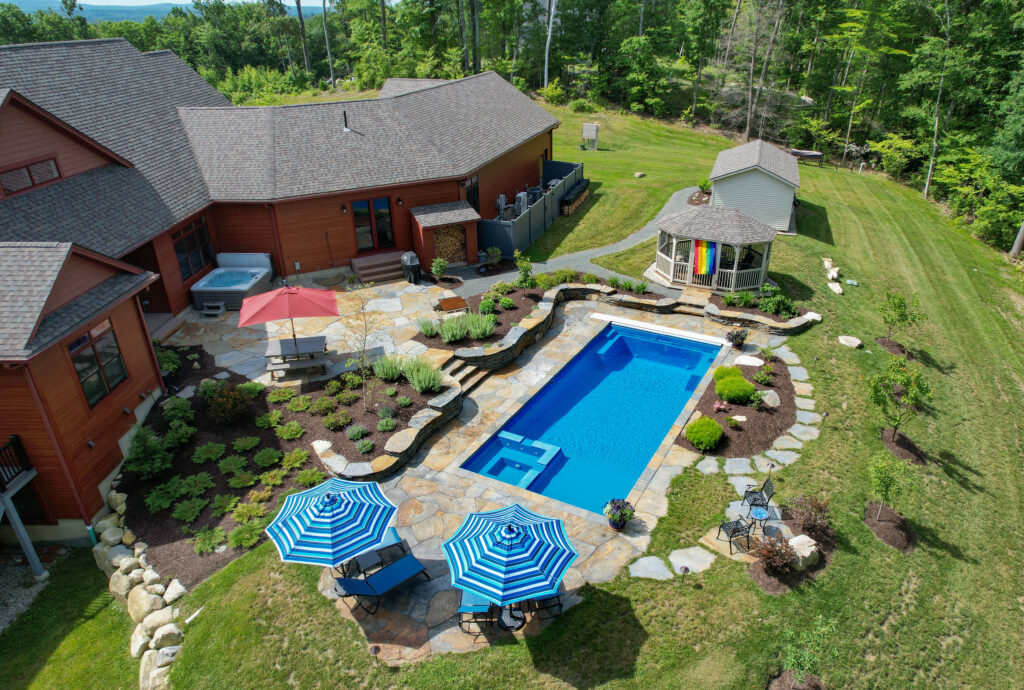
(795, 325)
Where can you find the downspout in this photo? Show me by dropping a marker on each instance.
(149, 345)
(277, 239)
(60, 455)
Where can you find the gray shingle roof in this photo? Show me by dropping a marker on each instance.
(757, 154)
(396, 86)
(451, 213)
(127, 101)
(276, 152)
(717, 224)
(27, 274)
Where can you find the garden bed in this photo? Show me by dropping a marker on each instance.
(170, 550)
(890, 527)
(446, 281)
(903, 448)
(893, 347)
(699, 198)
(503, 266)
(776, 584)
(762, 426)
(786, 681)
(754, 311)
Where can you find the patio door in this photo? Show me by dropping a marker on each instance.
(374, 230)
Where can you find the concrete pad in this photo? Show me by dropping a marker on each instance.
(738, 466)
(708, 465)
(650, 567)
(694, 558)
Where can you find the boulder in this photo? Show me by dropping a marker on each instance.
(100, 554)
(805, 552)
(112, 535)
(827, 261)
(150, 576)
(114, 556)
(143, 561)
(166, 636)
(116, 499)
(139, 642)
(158, 676)
(141, 603)
(638, 175)
(771, 398)
(120, 585)
(136, 576)
(157, 588)
(128, 564)
(850, 341)
(166, 655)
(174, 591)
(749, 361)
(146, 667)
(105, 523)
(140, 548)
(160, 618)
(128, 538)
(833, 273)
(835, 287)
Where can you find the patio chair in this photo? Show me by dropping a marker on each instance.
(474, 610)
(380, 583)
(758, 496)
(733, 529)
(363, 563)
(549, 607)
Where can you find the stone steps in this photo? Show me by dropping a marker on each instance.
(378, 267)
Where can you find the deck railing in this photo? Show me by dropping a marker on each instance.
(13, 461)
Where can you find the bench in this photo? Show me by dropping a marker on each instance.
(575, 197)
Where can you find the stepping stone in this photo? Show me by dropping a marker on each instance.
(798, 373)
(771, 398)
(696, 559)
(787, 355)
(787, 443)
(740, 483)
(804, 403)
(804, 389)
(850, 341)
(784, 457)
(187, 392)
(737, 466)
(736, 510)
(806, 417)
(835, 287)
(763, 464)
(651, 567)
(804, 432)
(749, 361)
(708, 465)
(222, 375)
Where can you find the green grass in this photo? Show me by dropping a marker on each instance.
(75, 635)
(630, 262)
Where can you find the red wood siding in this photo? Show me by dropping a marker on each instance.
(170, 293)
(19, 415)
(27, 136)
(511, 173)
(243, 228)
(155, 297)
(79, 275)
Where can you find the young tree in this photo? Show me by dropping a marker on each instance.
(898, 392)
(889, 477)
(547, 44)
(900, 313)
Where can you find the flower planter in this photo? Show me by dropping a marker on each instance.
(618, 526)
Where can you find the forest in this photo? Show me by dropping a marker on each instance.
(930, 92)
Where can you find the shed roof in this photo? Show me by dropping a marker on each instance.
(396, 86)
(717, 224)
(450, 213)
(757, 154)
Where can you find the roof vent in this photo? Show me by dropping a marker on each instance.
(344, 115)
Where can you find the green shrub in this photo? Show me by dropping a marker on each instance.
(280, 395)
(299, 404)
(615, 282)
(627, 286)
(336, 421)
(704, 184)
(386, 425)
(274, 477)
(251, 389)
(208, 387)
(295, 459)
(208, 539)
(347, 397)
(178, 435)
(247, 512)
(502, 288)
(260, 495)
(438, 267)
(582, 105)
(386, 412)
(242, 479)
(487, 306)
(769, 353)
(310, 477)
(188, 511)
(195, 485)
(554, 93)
(163, 496)
(352, 380)
(168, 360)
(777, 303)
(566, 275)
(208, 452)
(323, 405)
(333, 387)
(507, 303)
(391, 392)
(268, 420)
(290, 431)
(734, 389)
(732, 422)
(454, 328)
(245, 536)
(704, 433)
(178, 410)
(493, 256)
(428, 327)
(745, 299)
(764, 375)
(641, 287)
(422, 375)
(403, 401)
(756, 400)
(232, 464)
(388, 368)
(356, 432)
(480, 325)
(224, 504)
(589, 279)
(726, 372)
(245, 443)
(525, 268)
(267, 457)
(775, 554)
(364, 446)
(545, 281)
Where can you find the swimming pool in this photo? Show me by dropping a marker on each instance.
(588, 435)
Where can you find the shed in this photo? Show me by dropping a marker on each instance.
(445, 230)
(759, 180)
(718, 248)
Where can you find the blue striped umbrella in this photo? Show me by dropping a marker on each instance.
(330, 523)
(508, 555)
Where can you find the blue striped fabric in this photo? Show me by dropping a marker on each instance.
(331, 523)
(508, 555)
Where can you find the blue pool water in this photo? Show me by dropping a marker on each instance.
(226, 279)
(589, 433)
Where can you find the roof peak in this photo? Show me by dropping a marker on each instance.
(48, 44)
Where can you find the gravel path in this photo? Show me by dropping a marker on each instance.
(474, 284)
(18, 588)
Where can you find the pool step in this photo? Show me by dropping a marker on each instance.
(213, 309)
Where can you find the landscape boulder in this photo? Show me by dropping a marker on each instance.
(174, 592)
(120, 585)
(805, 552)
(141, 603)
(771, 398)
(166, 636)
(850, 341)
(139, 642)
(160, 618)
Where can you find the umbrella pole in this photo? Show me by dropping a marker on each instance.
(295, 340)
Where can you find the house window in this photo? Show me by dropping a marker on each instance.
(97, 361)
(751, 256)
(473, 192)
(193, 248)
(372, 219)
(28, 176)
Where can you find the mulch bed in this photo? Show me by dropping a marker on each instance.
(890, 527)
(902, 447)
(762, 427)
(446, 281)
(699, 198)
(169, 550)
(717, 301)
(791, 579)
(787, 682)
(894, 348)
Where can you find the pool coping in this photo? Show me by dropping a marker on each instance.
(653, 465)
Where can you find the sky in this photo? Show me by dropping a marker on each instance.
(136, 3)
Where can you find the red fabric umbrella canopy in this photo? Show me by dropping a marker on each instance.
(287, 303)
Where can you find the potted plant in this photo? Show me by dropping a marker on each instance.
(737, 337)
(619, 511)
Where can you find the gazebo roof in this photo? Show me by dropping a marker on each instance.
(717, 225)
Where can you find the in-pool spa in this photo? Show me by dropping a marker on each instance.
(587, 436)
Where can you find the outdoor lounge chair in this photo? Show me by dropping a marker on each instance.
(733, 529)
(759, 496)
(363, 563)
(474, 610)
(551, 606)
(380, 583)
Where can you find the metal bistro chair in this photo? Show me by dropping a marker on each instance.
(759, 496)
(373, 559)
(733, 529)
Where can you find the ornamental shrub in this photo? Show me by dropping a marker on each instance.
(422, 375)
(507, 303)
(310, 477)
(295, 459)
(428, 327)
(290, 432)
(493, 256)
(454, 328)
(589, 279)
(251, 389)
(242, 479)
(386, 425)
(274, 477)
(438, 267)
(388, 368)
(168, 360)
(247, 512)
(487, 306)
(336, 421)
(232, 464)
(480, 325)
(386, 412)
(208, 387)
(725, 372)
(299, 404)
(188, 511)
(245, 536)
(774, 553)
(323, 405)
(641, 287)
(196, 485)
(403, 401)
(777, 303)
(280, 395)
(582, 105)
(764, 375)
(267, 457)
(178, 410)
(545, 281)
(347, 397)
(178, 435)
(245, 443)
(704, 433)
(734, 389)
(391, 392)
(163, 496)
(812, 514)
(224, 504)
(365, 446)
(333, 387)
(268, 420)
(352, 380)
(208, 539)
(208, 452)
(566, 275)
(705, 184)
(356, 432)
(503, 288)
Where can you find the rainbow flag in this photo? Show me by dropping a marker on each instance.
(703, 258)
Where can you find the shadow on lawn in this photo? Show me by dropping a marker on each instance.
(959, 471)
(929, 537)
(926, 358)
(792, 286)
(812, 221)
(593, 643)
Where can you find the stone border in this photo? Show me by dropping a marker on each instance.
(798, 324)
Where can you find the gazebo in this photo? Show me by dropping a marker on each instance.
(721, 249)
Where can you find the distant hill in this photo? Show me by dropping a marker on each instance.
(117, 13)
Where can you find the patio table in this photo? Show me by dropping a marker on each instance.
(299, 347)
(759, 514)
(511, 618)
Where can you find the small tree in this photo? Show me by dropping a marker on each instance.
(525, 266)
(889, 477)
(438, 267)
(360, 359)
(802, 653)
(900, 313)
(898, 405)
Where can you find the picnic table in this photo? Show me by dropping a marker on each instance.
(295, 354)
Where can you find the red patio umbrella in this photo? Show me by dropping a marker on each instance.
(287, 303)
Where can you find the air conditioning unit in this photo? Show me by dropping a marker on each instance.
(522, 203)
(501, 203)
(535, 194)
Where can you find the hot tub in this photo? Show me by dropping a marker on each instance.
(238, 276)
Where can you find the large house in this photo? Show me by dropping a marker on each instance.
(123, 174)
(760, 180)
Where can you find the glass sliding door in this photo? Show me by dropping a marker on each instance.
(372, 219)
(364, 226)
(382, 223)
